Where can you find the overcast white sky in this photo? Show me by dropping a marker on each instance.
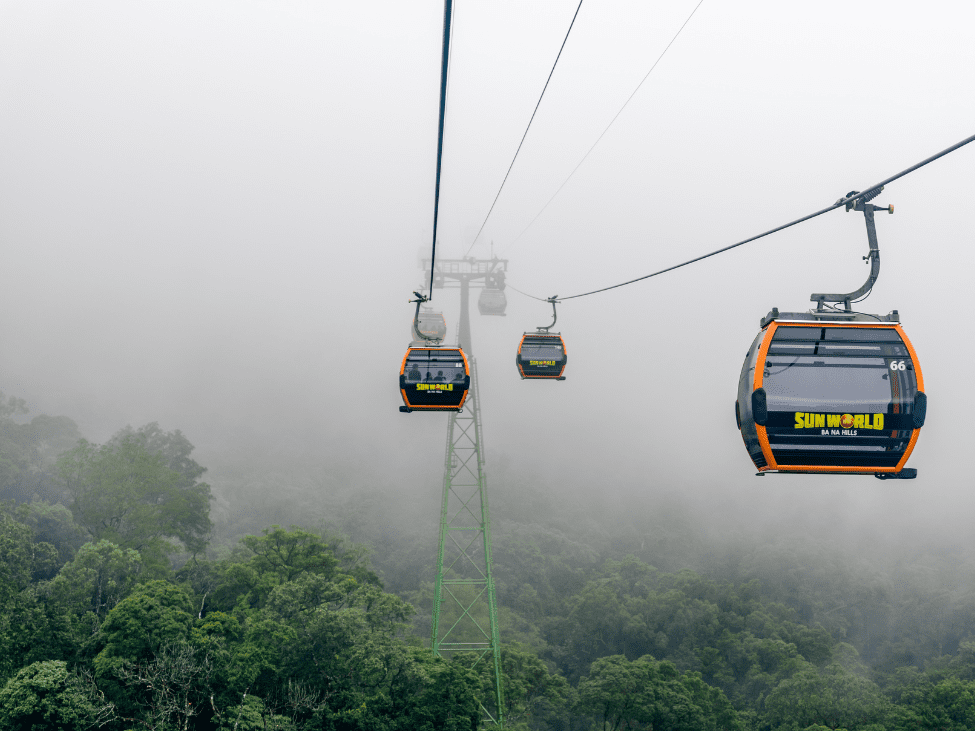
(210, 215)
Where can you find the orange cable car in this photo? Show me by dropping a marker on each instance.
(541, 354)
(432, 378)
(831, 396)
(832, 390)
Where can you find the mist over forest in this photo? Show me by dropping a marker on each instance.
(213, 515)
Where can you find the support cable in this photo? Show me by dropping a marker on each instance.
(612, 121)
(444, 64)
(527, 128)
(540, 299)
(866, 194)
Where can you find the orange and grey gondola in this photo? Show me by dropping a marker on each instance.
(823, 395)
(429, 324)
(541, 355)
(434, 379)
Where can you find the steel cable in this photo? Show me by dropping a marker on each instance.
(841, 202)
(526, 128)
(444, 64)
(612, 121)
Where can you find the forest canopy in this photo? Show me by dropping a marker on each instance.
(123, 604)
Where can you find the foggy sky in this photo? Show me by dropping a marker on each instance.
(210, 216)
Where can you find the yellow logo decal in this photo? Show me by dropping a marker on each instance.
(541, 362)
(434, 387)
(839, 421)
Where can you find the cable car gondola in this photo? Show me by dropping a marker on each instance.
(492, 302)
(432, 377)
(541, 354)
(429, 324)
(832, 390)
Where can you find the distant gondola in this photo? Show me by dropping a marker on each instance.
(434, 379)
(492, 302)
(541, 355)
(430, 324)
(832, 390)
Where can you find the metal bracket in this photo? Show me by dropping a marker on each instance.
(420, 299)
(555, 315)
(859, 203)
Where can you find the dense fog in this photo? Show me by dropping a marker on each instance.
(211, 214)
(213, 514)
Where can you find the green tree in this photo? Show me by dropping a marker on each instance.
(173, 447)
(946, 706)
(534, 696)
(13, 449)
(832, 697)
(90, 586)
(262, 563)
(174, 684)
(54, 524)
(124, 493)
(428, 693)
(156, 615)
(28, 452)
(26, 633)
(45, 695)
(22, 561)
(621, 693)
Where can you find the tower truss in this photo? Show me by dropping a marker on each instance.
(465, 610)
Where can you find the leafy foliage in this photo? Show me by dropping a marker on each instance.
(46, 696)
(127, 494)
(645, 626)
(28, 452)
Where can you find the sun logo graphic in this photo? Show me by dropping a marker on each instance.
(846, 421)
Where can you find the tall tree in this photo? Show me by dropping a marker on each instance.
(46, 696)
(653, 695)
(28, 451)
(125, 493)
(172, 446)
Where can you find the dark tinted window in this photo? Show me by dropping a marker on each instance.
(542, 349)
(432, 325)
(432, 366)
(541, 352)
(868, 334)
(864, 370)
(837, 341)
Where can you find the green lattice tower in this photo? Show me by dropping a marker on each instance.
(465, 609)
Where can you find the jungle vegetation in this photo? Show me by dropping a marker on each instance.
(128, 602)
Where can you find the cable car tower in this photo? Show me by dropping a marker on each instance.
(465, 609)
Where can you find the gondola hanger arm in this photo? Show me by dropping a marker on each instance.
(856, 201)
(420, 299)
(555, 314)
